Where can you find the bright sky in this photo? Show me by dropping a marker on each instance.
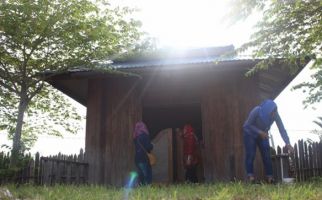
(297, 121)
(186, 24)
(182, 23)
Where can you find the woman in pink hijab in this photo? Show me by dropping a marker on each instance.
(142, 145)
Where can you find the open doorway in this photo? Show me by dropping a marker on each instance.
(164, 123)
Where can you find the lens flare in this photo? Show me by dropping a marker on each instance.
(132, 178)
(130, 184)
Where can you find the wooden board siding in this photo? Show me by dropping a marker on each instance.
(123, 110)
(163, 88)
(272, 81)
(225, 105)
(94, 132)
(214, 97)
(71, 88)
(113, 110)
(215, 100)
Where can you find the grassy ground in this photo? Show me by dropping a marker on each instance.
(235, 191)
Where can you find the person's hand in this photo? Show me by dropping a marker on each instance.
(189, 160)
(289, 148)
(263, 135)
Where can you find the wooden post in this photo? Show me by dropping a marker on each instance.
(310, 158)
(319, 147)
(285, 163)
(36, 169)
(315, 159)
(306, 161)
(301, 160)
(59, 169)
(41, 171)
(278, 163)
(296, 163)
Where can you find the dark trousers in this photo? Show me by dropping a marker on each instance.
(145, 172)
(191, 174)
(250, 146)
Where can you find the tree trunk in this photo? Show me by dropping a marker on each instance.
(16, 144)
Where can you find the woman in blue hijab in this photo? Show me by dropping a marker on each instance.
(255, 131)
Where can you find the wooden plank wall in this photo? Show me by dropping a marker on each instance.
(114, 105)
(94, 132)
(225, 106)
(163, 88)
(122, 110)
(112, 111)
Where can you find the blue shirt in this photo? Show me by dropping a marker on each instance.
(254, 125)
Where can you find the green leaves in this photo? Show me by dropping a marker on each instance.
(290, 30)
(314, 87)
(318, 132)
(54, 35)
(57, 35)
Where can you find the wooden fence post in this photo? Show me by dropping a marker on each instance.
(70, 169)
(301, 160)
(315, 159)
(296, 163)
(320, 158)
(310, 161)
(36, 169)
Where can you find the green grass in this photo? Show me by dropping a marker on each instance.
(235, 191)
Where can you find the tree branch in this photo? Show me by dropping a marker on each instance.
(36, 91)
(9, 76)
(8, 87)
(33, 48)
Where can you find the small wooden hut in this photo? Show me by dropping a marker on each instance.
(197, 86)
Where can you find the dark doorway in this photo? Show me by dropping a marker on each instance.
(159, 118)
(173, 118)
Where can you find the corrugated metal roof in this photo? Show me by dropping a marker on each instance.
(183, 57)
(178, 61)
(174, 58)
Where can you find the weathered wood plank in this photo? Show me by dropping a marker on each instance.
(306, 161)
(310, 161)
(296, 163)
(302, 159)
(224, 111)
(122, 111)
(320, 158)
(94, 133)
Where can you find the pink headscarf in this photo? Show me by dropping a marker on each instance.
(140, 128)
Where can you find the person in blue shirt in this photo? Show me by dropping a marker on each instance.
(142, 145)
(255, 130)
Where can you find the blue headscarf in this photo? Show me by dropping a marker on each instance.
(266, 108)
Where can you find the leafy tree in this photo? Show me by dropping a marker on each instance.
(319, 123)
(54, 35)
(289, 29)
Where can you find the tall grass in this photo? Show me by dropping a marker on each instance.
(235, 191)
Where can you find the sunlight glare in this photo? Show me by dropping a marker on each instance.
(184, 24)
